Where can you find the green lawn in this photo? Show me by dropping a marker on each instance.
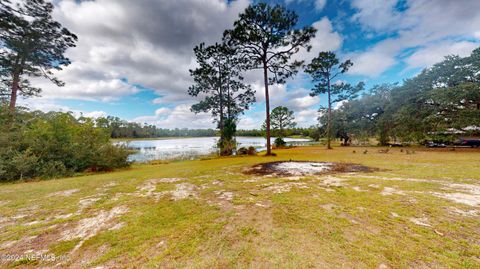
(420, 210)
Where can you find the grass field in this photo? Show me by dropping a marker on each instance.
(419, 210)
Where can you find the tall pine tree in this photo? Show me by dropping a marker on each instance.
(33, 45)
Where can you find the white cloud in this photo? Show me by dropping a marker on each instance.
(95, 114)
(306, 118)
(379, 15)
(306, 101)
(178, 117)
(370, 63)
(162, 111)
(434, 53)
(418, 24)
(47, 105)
(148, 43)
(320, 4)
(249, 123)
(326, 39)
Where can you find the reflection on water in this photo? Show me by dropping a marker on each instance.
(189, 148)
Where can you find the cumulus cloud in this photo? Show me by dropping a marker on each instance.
(413, 25)
(47, 105)
(125, 47)
(434, 53)
(178, 117)
(371, 63)
(123, 44)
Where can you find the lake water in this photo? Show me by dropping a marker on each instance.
(190, 148)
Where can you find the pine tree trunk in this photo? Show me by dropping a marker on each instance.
(267, 107)
(329, 121)
(14, 93)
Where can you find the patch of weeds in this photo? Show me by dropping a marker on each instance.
(63, 247)
(248, 230)
(26, 261)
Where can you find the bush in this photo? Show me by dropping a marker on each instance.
(279, 142)
(54, 144)
(242, 151)
(252, 151)
(227, 143)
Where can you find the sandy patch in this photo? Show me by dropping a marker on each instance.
(394, 215)
(286, 187)
(329, 207)
(331, 181)
(391, 191)
(224, 195)
(117, 226)
(465, 213)
(65, 193)
(420, 221)
(358, 189)
(148, 189)
(394, 178)
(7, 244)
(2, 203)
(64, 216)
(262, 204)
(183, 191)
(86, 202)
(110, 184)
(458, 197)
(217, 182)
(168, 180)
(468, 194)
(304, 168)
(89, 227)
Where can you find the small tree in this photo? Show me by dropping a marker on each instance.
(323, 70)
(33, 45)
(218, 80)
(265, 35)
(282, 118)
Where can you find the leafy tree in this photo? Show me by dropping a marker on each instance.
(365, 117)
(33, 46)
(281, 118)
(218, 79)
(266, 36)
(443, 96)
(324, 69)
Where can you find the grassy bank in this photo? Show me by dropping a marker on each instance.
(418, 210)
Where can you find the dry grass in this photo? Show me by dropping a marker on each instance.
(417, 211)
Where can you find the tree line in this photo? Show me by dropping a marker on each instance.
(439, 103)
(118, 128)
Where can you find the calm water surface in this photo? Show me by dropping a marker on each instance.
(190, 148)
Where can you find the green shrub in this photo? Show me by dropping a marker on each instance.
(242, 151)
(54, 144)
(279, 142)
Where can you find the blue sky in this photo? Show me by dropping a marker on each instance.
(132, 60)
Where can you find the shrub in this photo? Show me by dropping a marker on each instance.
(242, 151)
(252, 151)
(54, 144)
(279, 142)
